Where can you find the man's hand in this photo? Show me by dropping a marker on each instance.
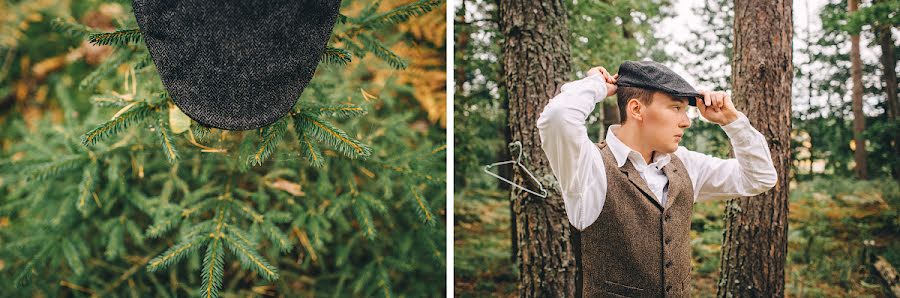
(610, 79)
(717, 107)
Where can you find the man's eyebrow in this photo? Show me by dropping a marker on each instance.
(679, 100)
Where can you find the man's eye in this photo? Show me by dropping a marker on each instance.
(677, 108)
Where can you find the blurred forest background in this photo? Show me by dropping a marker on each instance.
(108, 189)
(844, 210)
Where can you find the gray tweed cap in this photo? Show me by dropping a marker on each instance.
(655, 76)
(236, 64)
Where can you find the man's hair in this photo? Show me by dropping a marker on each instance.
(624, 94)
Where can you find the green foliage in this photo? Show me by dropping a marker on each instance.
(381, 51)
(131, 115)
(71, 28)
(400, 14)
(118, 38)
(326, 132)
(334, 55)
(104, 198)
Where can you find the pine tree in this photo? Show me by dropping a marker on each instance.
(123, 194)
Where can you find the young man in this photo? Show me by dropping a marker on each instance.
(630, 197)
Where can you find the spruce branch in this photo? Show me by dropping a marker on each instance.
(116, 38)
(422, 207)
(133, 115)
(86, 189)
(55, 168)
(334, 110)
(165, 139)
(143, 60)
(71, 28)
(271, 136)
(175, 253)
(310, 150)
(324, 131)
(116, 245)
(72, 257)
(337, 56)
(364, 217)
(377, 48)
(401, 13)
(213, 268)
(250, 258)
(107, 66)
(278, 238)
(162, 225)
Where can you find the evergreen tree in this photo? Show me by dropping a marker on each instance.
(126, 195)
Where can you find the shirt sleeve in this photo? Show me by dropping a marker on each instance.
(574, 159)
(750, 173)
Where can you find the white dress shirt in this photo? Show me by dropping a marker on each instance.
(578, 166)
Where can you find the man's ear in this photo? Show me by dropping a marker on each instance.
(635, 108)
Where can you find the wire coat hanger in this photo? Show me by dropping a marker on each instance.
(486, 169)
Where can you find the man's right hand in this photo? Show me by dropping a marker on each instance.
(610, 79)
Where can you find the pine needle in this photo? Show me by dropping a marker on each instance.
(336, 56)
(137, 113)
(381, 51)
(117, 38)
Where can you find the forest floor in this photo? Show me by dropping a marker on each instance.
(830, 223)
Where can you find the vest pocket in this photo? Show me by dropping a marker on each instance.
(622, 290)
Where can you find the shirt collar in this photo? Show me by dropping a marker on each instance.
(621, 151)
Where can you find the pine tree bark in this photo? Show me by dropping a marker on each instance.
(859, 120)
(536, 59)
(889, 75)
(755, 239)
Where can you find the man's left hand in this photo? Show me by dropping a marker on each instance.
(717, 107)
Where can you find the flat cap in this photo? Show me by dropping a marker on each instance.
(236, 64)
(655, 76)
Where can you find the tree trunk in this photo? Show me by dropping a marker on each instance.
(889, 75)
(536, 60)
(755, 239)
(859, 119)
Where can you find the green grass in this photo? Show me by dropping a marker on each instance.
(829, 222)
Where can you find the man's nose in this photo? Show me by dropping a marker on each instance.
(685, 121)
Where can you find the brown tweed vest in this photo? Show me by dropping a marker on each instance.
(638, 248)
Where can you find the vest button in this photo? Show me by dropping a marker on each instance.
(668, 239)
(667, 217)
(668, 288)
(668, 263)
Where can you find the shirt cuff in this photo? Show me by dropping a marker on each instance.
(739, 130)
(597, 83)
